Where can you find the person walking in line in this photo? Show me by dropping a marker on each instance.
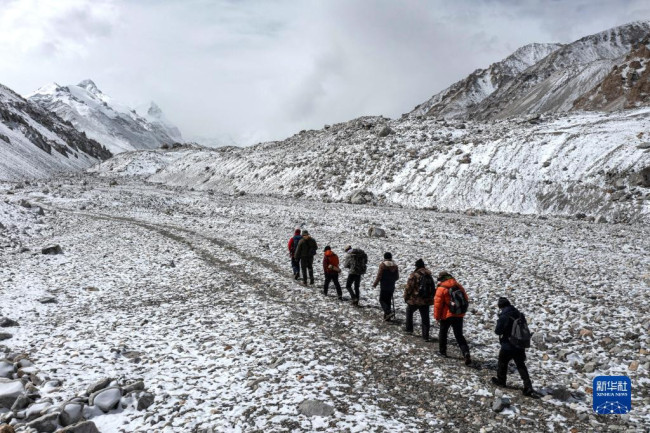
(293, 244)
(332, 271)
(305, 251)
(509, 349)
(356, 261)
(449, 309)
(418, 296)
(387, 275)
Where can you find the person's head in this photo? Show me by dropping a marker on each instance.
(503, 302)
(305, 233)
(419, 264)
(348, 248)
(296, 232)
(326, 249)
(388, 256)
(444, 276)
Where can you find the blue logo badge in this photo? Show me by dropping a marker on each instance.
(612, 395)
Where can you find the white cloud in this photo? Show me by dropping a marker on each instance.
(258, 70)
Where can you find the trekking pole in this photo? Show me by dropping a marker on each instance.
(392, 301)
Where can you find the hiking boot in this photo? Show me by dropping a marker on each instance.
(386, 317)
(497, 382)
(311, 282)
(468, 359)
(296, 276)
(391, 316)
(407, 332)
(355, 302)
(340, 298)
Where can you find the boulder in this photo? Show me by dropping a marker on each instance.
(6, 369)
(52, 250)
(82, 427)
(71, 413)
(135, 386)
(315, 408)
(47, 300)
(10, 390)
(376, 232)
(98, 385)
(361, 197)
(6, 322)
(45, 424)
(589, 367)
(106, 399)
(385, 131)
(5, 336)
(500, 403)
(6, 428)
(21, 403)
(145, 400)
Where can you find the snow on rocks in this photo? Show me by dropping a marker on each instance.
(10, 390)
(227, 340)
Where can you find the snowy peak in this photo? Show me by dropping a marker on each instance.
(90, 86)
(35, 143)
(117, 126)
(456, 100)
(537, 78)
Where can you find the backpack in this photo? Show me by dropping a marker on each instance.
(458, 304)
(294, 245)
(334, 263)
(359, 262)
(425, 286)
(520, 335)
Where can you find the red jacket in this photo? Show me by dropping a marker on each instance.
(442, 300)
(330, 259)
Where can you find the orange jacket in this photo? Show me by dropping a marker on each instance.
(442, 300)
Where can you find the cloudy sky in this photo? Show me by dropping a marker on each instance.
(257, 70)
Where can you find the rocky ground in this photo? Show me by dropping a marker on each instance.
(186, 297)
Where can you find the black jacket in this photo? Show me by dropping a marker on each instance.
(504, 327)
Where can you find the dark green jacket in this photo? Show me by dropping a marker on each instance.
(307, 247)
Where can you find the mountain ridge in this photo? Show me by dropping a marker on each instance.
(118, 127)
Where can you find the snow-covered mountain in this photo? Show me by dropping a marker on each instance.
(35, 143)
(116, 126)
(461, 97)
(550, 83)
(590, 165)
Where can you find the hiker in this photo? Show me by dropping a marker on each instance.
(305, 251)
(449, 308)
(509, 349)
(331, 270)
(418, 296)
(356, 261)
(293, 243)
(387, 275)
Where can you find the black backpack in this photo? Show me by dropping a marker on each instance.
(458, 303)
(426, 286)
(359, 262)
(520, 335)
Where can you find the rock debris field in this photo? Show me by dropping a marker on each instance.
(170, 310)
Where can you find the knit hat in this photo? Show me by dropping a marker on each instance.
(419, 264)
(296, 232)
(327, 248)
(503, 302)
(388, 256)
(348, 248)
(305, 233)
(444, 275)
